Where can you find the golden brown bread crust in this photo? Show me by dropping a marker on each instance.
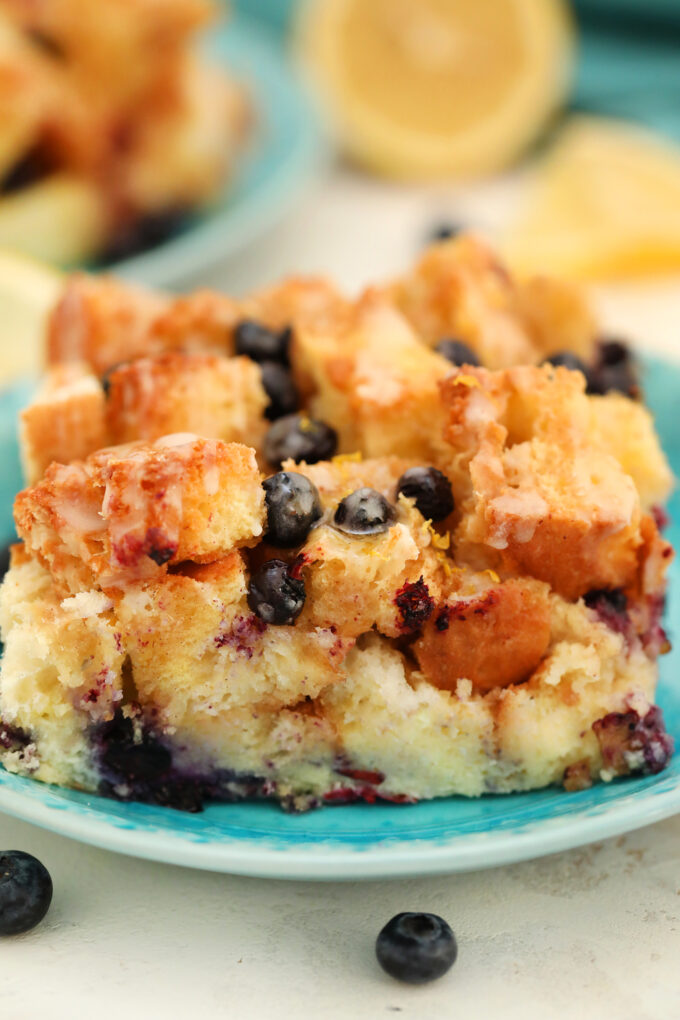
(66, 420)
(102, 322)
(127, 512)
(539, 497)
(494, 638)
(178, 392)
(375, 382)
(460, 289)
(75, 413)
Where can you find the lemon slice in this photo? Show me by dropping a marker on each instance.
(605, 203)
(60, 219)
(28, 290)
(432, 88)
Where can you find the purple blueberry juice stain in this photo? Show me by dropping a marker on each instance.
(631, 743)
(13, 738)
(415, 604)
(136, 764)
(611, 605)
(655, 640)
(243, 635)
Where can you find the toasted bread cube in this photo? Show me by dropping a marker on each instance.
(64, 422)
(491, 633)
(543, 498)
(102, 322)
(201, 321)
(460, 289)
(128, 511)
(25, 87)
(389, 581)
(557, 316)
(304, 301)
(105, 323)
(625, 427)
(220, 398)
(186, 139)
(197, 650)
(375, 383)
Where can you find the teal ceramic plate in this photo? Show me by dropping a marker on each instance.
(283, 154)
(361, 841)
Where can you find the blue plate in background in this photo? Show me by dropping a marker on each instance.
(283, 154)
(376, 841)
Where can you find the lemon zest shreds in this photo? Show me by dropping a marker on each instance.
(348, 458)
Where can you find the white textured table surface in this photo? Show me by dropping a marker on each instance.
(593, 934)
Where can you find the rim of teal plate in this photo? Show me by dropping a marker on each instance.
(325, 861)
(287, 151)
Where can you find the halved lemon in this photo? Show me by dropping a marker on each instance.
(435, 88)
(604, 203)
(28, 290)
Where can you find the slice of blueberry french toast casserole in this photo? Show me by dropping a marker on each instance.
(321, 549)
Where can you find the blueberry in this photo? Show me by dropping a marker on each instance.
(274, 594)
(130, 756)
(279, 386)
(105, 380)
(444, 231)
(416, 947)
(615, 370)
(25, 892)
(293, 506)
(457, 352)
(364, 512)
(4, 559)
(431, 490)
(300, 438)
(615, 598)
(565, 359)
(33, 166)
(143, 233)
(260, 343)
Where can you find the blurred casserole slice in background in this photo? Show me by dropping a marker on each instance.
(112, 129)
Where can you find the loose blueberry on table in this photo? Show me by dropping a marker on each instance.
(260, 343)
(300, 438)
(364, 512)
(275, 595)
(293, 507)
(25, 892)
(457, 352)
(430, 489)
(416, 948)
